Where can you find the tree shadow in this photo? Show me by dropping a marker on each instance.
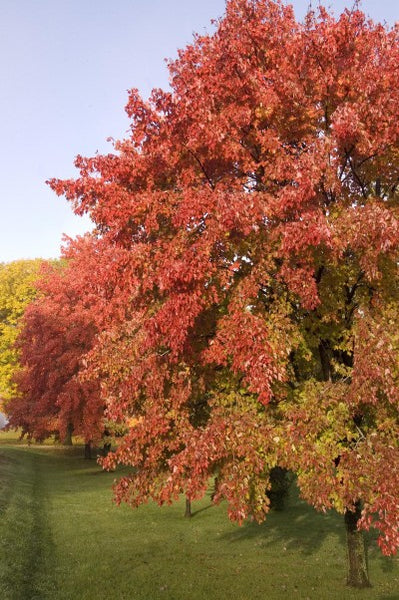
(386, 563)
(299, 527)
(200, 510)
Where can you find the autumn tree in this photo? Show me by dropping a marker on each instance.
(257, 207)
(57, 331)
(16, 291)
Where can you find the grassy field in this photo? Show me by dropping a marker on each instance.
(62, 538)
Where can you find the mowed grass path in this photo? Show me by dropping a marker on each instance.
(62, 538)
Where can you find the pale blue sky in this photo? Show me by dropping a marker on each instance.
(65, 66)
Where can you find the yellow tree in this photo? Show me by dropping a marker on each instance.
(17, 290)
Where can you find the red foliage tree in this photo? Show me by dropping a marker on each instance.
(58, 330)
(257, 206)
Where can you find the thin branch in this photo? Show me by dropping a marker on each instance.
(359, 181)
(209, 180)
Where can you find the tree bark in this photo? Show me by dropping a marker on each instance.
(215, 487)
(358, 575)
(280, 485)
(106, 449)
(88, 450)
(188, 512)
(68, 435)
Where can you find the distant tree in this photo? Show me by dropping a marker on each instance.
(57, 331)
(256, 205)
(17, 290)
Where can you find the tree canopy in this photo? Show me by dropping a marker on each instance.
(250, 222)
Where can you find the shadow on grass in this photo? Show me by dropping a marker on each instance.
(386, 563)
(297, 527)
(300, 527)
(200, 510)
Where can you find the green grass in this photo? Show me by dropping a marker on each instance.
(62, 538)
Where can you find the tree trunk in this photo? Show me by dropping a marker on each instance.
(188, 512)
(215, 487)
(280, 485)
(88, 450)
(68, 435)
(106, 449)
(358, 576)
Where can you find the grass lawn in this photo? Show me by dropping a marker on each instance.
(62, 538)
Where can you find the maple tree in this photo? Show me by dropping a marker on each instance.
(57, 331)
(254, 315)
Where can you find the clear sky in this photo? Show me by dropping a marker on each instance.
(65, 67)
